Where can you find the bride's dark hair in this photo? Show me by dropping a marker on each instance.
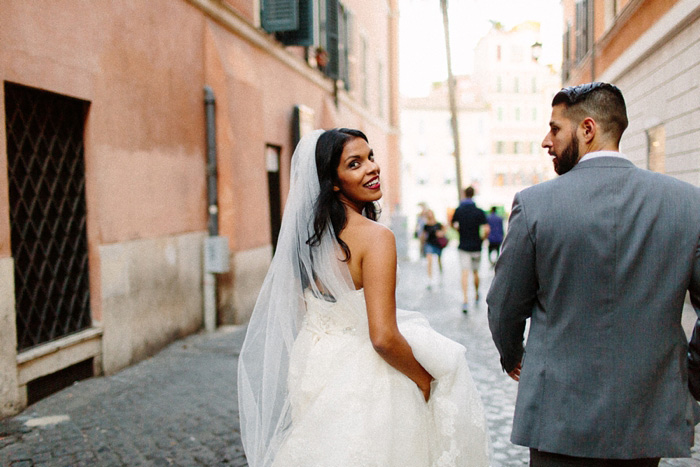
(329, 148)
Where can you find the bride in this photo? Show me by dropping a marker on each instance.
(331, 374)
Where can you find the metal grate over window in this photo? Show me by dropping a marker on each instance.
(47, 213)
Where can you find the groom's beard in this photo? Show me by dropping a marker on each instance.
(568, 158)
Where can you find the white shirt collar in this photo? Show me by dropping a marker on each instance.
(593, 155)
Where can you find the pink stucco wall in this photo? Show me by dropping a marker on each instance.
(144, 139)
(142, 66)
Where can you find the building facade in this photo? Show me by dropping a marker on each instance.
(519, 89)
(503, 111)
(429, 169)
(106, 202)
(650, 49)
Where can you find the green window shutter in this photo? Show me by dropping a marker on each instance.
(332, 38)
(345, 44)
(279, 15)
(582, 29)
(303, 34)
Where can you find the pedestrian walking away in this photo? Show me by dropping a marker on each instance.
(468, 219)
(420, 224)
(495, 237)
(435, 242)
(599, 260)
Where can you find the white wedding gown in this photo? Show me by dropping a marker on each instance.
(352, 409)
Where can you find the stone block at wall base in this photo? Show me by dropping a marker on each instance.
(151, 295)
(11, 401)
(238, 290)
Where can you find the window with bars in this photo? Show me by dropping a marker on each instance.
(46, 175)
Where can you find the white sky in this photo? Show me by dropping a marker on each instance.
(422, 38)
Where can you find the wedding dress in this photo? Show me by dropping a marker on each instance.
(313, 392)
(351, 408)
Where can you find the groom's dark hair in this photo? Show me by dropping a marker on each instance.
(601, 101)
(329, 148)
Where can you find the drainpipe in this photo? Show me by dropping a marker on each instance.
(216, 256)
(591, 35)
(209, 105)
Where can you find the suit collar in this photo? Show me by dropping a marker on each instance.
(595, 154)
(605, 161)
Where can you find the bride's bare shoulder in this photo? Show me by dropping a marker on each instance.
(371, 234)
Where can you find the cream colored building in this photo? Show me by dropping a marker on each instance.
(519, 90)
(428, 164)
(503, 115)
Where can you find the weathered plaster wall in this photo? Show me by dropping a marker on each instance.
(9, 393)
(152, 294)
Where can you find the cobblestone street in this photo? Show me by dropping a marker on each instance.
(179, 407)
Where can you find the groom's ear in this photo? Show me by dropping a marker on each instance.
(589, 128)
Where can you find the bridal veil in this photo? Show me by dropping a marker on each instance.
(296, 267)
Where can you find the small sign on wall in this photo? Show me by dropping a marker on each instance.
(216, 255)
(272, 159)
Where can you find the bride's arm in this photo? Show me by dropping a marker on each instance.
(379, 282)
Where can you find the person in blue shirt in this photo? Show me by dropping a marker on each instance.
(495, 235)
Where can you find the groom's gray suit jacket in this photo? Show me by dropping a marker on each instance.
(600, 259)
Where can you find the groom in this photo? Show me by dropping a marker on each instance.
(599, 260)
